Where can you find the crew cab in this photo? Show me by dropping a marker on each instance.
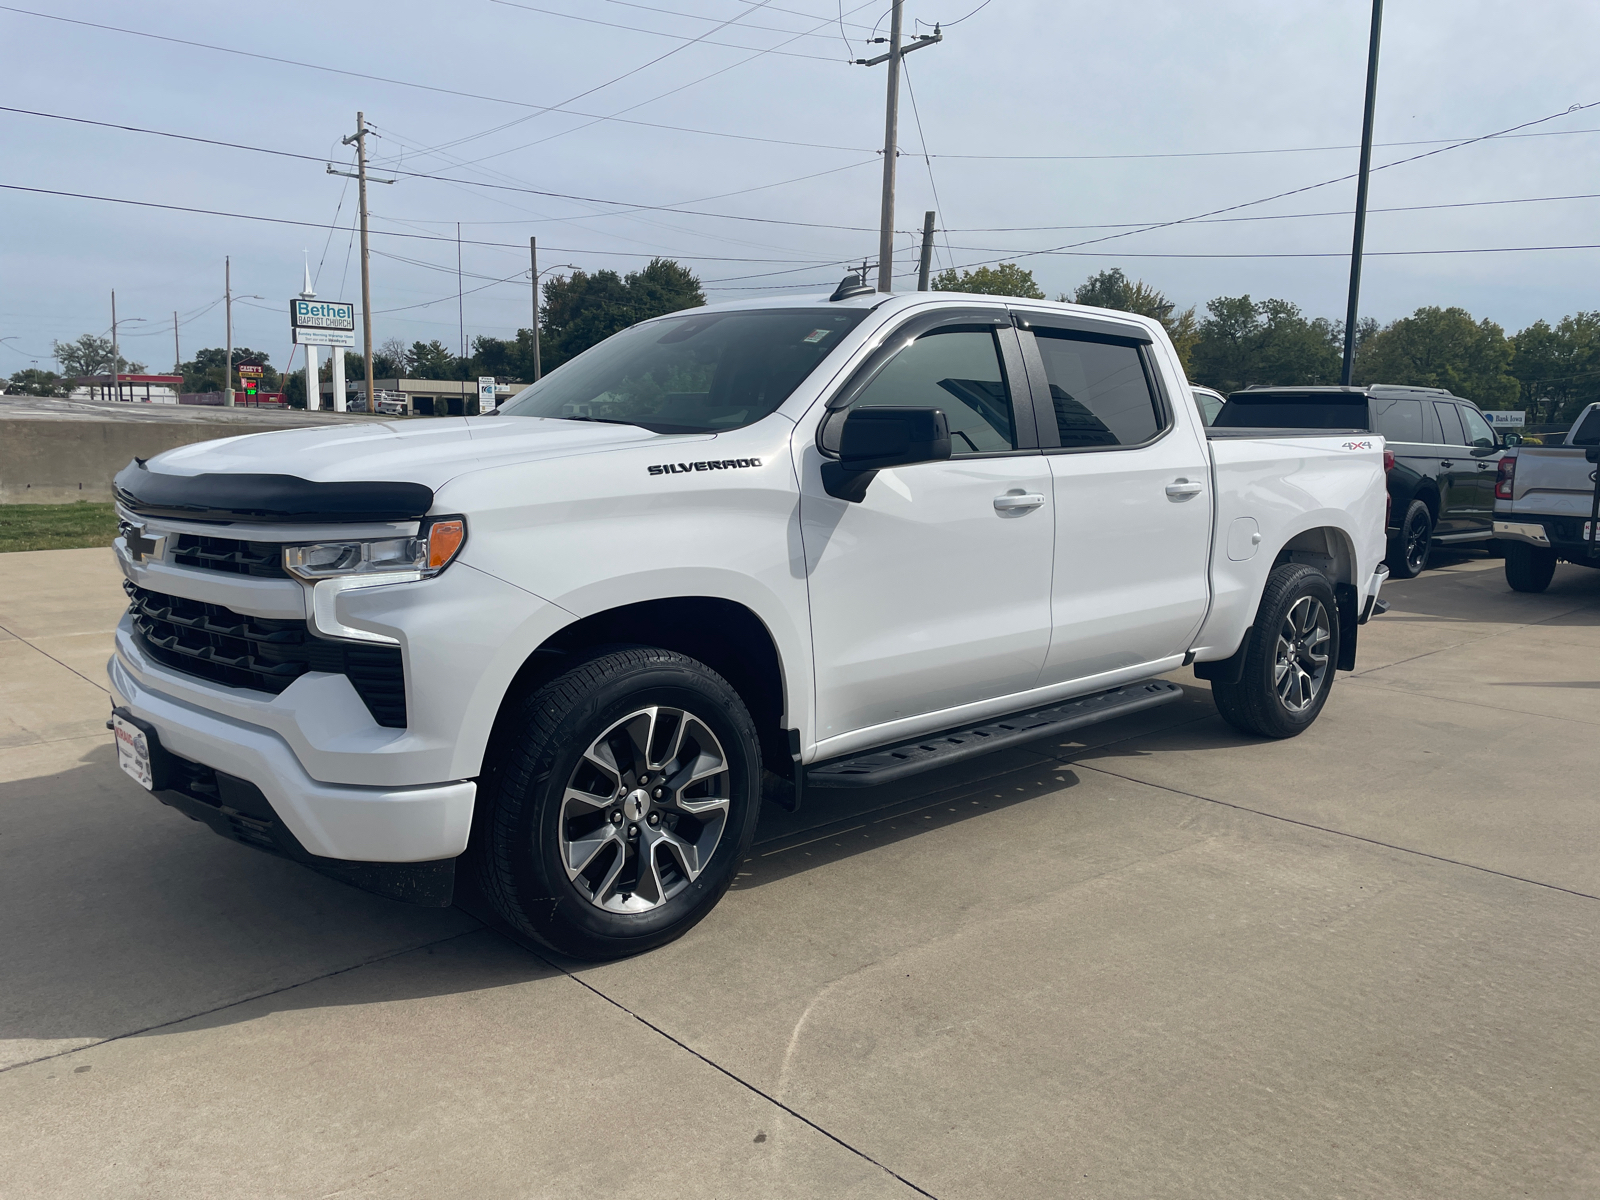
(841, 539)
(1544, 507)
(1441, 469)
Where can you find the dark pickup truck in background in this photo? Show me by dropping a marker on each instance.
(1440, 452)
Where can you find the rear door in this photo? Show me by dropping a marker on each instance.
(1458, 473)
(1400, 423)
(1132, 494)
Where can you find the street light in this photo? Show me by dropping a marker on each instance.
(535, 275)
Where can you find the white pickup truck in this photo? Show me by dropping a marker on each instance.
(1545, 505)
(842, 539)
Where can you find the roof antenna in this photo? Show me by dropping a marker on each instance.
(853, 285)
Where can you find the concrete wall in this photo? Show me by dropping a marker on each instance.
(57, 462)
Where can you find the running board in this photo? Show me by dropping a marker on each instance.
(927, 754)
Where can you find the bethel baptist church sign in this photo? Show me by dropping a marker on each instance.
(322, 322)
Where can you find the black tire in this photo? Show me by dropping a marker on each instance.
(1529, 568)
(533, 824)
(1409, 549)
(1257, 703)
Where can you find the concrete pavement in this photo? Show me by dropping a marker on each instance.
(1158, 959)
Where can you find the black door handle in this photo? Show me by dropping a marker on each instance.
(1447, 462)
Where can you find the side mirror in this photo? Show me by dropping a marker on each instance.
(875, 438)
(1592, 454)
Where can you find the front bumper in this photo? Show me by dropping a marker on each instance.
(393, 824)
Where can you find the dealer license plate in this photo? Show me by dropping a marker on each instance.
(1585, 536)
(133, 751)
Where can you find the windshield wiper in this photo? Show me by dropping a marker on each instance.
(604, 421)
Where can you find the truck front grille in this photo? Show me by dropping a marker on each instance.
(215, 643)
(262, 559)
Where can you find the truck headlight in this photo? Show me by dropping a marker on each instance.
(401, 559)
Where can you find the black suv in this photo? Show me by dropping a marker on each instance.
(1440, 455)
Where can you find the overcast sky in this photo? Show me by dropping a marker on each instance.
(1042, 117)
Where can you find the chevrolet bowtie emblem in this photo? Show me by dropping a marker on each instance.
(141, 547)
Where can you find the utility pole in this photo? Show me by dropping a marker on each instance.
(177, 355)
(227, 309)
(891, 132)
(359, 137)
(533, 265)
(461, 318)
(1346, 374)
(116, 360)
(927, 252)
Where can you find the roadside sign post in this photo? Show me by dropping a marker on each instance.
(486, 400)
(322, 323)
(250, 376)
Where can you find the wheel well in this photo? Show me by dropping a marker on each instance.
(1326, 548)
(726, 636)
(1431, 498)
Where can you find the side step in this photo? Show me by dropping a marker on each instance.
(927, 754)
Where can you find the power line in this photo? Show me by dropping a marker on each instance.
(1234, 153)
(1216, 212)
(212, 212)
(1280, 216)
(671, 12)
(550, 12)
(926, 158)
(652, 99)
(625, 204)
(589, 92)
(426, 87)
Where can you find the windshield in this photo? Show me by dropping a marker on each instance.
(691, 374)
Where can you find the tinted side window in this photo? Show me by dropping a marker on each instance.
(1399, 420)
(1588, 432)
(1449, 424)
(1098, 390)
(1478, 431)
(959, 371)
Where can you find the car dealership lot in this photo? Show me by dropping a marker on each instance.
(1162, 960)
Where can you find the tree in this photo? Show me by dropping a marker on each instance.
(1113, 289)
(1558, 370)
(207, 370)
(1446, 348)
(1007, 279)
(581, 310)
(91, 355)
(431, 360)
(1243, 342)
(34, 382)
(388, 360)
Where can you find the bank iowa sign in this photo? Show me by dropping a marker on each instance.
(322, 322)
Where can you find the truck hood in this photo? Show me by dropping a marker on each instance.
(428, 452)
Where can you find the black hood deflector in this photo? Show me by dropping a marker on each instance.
(285, 498)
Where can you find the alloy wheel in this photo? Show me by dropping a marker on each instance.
(1418, 535)
(1301, 663)
(644, 810)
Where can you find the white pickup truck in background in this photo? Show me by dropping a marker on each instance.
(1545, 505)
(842, 539)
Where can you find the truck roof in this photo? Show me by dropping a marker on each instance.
(1366, 389)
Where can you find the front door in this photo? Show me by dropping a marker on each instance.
(934, 590)
(1133, 504)
(1480, 437)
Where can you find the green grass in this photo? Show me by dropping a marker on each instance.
(56, 526)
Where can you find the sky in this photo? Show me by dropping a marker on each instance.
(737, 137)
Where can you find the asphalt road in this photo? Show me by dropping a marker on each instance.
(1160, 961)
